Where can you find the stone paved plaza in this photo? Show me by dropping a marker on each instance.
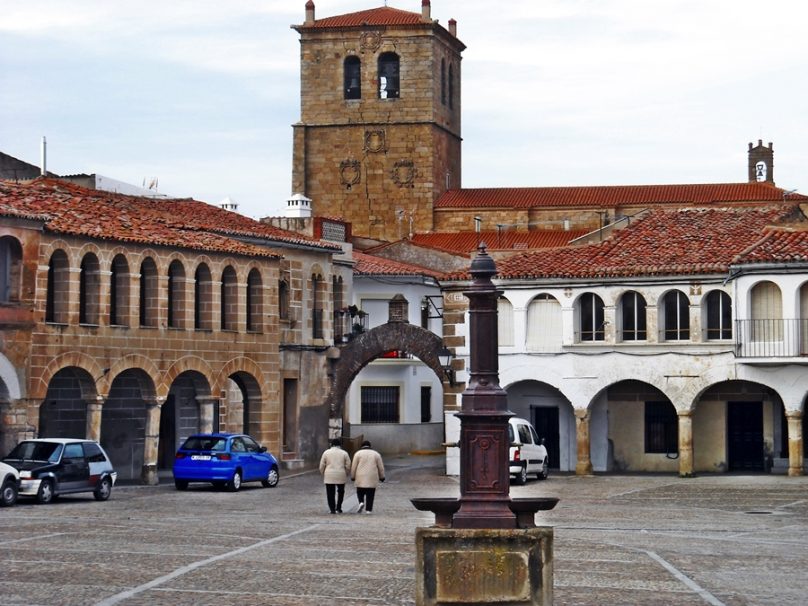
(639, 539)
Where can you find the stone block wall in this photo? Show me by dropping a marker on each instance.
(378, 163)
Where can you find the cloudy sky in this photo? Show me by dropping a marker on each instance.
(202, 94)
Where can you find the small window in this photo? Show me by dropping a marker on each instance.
(89, 288)
(73, 451)
(254, 301)
(388, 76)
(352, 73)
(661, 428)
(176, 295)
(591, 318)
(148, 293)
(238, 445)
(379, 404)
(443, 81)
(524, 434)
(10, 269)
(633, 316)
(283, 300)
(426, 404)
(229, 299)
(451, 86)
(676, 314)
(719, 315)
(250, 444)
(93, 454)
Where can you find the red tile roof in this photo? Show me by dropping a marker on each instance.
(384, 15)
(609, 196)
(465, 242)
(368, 265)
(663, 243)
(778, 246)
(71, 209)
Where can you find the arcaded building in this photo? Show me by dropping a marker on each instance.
(137, 322)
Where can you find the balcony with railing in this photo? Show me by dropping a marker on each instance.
(774, 338)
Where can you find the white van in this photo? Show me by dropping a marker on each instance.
(527, 452)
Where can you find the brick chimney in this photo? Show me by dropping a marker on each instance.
(309, 12)
(453, 27)
(761, 163)
(426, 10)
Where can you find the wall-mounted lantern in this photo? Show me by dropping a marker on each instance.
(446, 355)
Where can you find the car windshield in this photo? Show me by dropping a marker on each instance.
(204, 443)
(36, 451)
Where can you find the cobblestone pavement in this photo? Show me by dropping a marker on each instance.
(618, 540)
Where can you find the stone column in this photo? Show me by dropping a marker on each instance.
(93, 431)
(584, 465)
(148, 475)
(795, 444)
(685, 443)
(207, 408)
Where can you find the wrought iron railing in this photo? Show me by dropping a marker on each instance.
(771, 338)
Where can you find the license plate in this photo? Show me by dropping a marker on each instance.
(200, 457)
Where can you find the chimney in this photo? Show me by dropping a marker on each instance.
(426, 10)
(309, 12)
(44, 167)
(453, 27)
(761, 163)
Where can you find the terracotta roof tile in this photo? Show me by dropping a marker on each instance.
(779, 245)
(465, 242)
(71, 209)
(384, 15)
(613, 195)
(664, 242)
(369, 265)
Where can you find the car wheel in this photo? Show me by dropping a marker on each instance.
(9, 494)
(181, 484)
(235, 483)
(521, 477)
(272, 478)
(103, 490)
(45, 493)
(542, 475)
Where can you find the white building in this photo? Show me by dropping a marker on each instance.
(679, 344)
(396, 401)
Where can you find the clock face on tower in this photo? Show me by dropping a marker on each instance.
(760, 171)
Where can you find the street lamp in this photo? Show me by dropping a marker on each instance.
(445, 356)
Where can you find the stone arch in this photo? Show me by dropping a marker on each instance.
(9, 382)
(129, 362)
(749, 416)
(368, 346)
(39, 387)
(235, 366)
(180, 366)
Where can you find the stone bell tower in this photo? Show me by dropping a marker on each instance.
(378, 139)
(761, 163)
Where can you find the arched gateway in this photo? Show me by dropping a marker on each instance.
(396, 334)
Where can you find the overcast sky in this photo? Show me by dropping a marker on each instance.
(202, 94)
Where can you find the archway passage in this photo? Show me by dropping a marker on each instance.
(63, 413)
(421, 343)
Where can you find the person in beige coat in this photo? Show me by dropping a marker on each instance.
(367, 470)
(335, 465)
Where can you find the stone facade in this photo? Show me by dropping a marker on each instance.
(138, 345)
(378, 162)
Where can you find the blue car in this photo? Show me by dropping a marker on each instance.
(224, 460)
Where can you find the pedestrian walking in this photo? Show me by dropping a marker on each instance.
(335, 466)
(367, 470)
